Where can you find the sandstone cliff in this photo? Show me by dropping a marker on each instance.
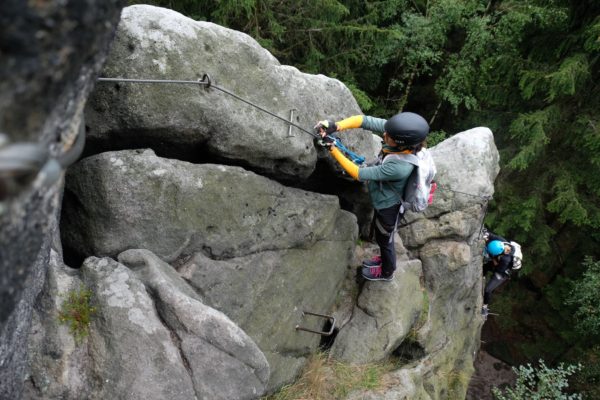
(191, 222)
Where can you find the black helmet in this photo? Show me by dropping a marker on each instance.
(407, 129)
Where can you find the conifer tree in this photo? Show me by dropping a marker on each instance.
(528, 69)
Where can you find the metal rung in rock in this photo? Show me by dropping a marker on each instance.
(329, 317)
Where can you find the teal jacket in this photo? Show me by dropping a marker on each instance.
(385, 181)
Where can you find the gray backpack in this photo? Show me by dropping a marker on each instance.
(517, 255)
(419, 190)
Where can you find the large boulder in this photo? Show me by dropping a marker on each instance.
(383, 316)
(116, 201)
(237, 237)
(128, 349)
(51, 54)
(198, 123)
(266, 294)
(150, 338)
(215, 349)
(449, 245)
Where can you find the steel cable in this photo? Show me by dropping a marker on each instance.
(206, 81)
(22, 162)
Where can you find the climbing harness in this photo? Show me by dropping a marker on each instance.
(22, 163)
(207, 83)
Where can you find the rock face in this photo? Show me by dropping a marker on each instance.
(238, 237)
(51, 53)
(435, 328)
(152, 338)
(131, 350)
(115, 201)
(201, 271)
(449, 245)
(58, 365)
(383, 316)
(215, 349)
(266, 293)
(200, 124)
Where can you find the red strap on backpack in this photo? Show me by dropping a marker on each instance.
(431, 192)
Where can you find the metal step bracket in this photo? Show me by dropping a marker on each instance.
(292, 121)
(328, 317)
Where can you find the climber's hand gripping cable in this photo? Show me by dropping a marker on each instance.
(327, 126)
(337, 149)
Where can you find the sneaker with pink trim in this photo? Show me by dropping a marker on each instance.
(373, 262)
(375, 273)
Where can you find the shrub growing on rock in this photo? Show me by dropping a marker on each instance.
(77, 312)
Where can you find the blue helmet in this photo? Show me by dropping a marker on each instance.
(495, 247)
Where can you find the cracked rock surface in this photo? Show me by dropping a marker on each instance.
(152, 338)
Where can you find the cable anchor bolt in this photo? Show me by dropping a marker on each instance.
(205, 81)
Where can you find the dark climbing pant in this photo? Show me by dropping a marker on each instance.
(496, 280)
(385, 224)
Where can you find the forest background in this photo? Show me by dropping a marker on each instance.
(527, 69)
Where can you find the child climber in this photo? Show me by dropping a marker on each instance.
(404, 133)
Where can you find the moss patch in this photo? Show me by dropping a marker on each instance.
(77, 312)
